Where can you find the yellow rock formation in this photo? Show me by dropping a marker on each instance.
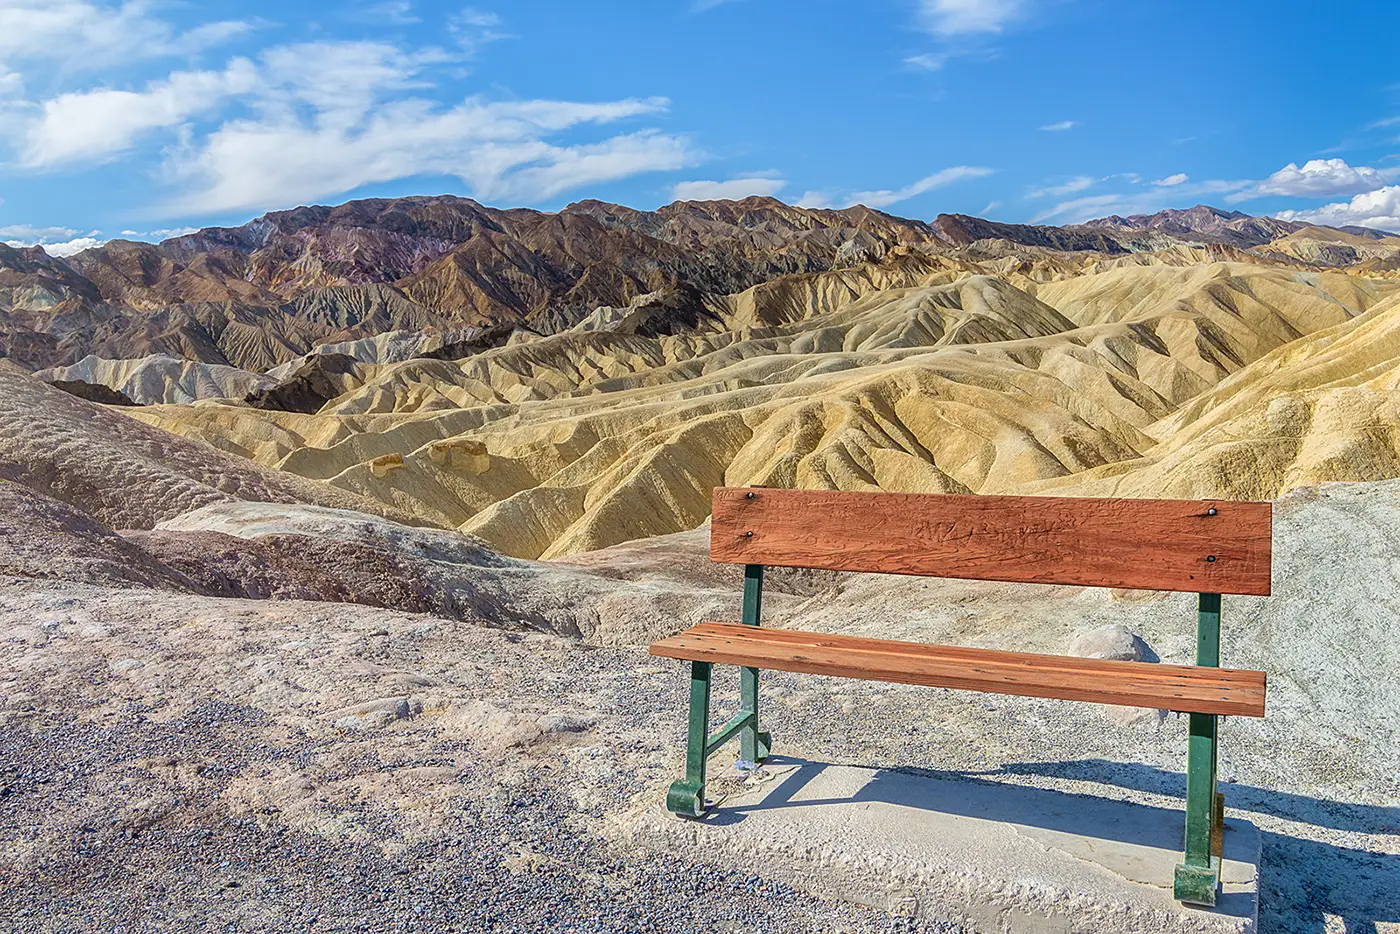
(1192, 379)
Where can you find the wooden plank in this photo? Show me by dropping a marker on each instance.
(1140, 544)
(1185, 688)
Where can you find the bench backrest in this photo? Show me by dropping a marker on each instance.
(1203, 546)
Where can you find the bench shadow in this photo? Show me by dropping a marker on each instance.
(1359, 889)
(1305, 885)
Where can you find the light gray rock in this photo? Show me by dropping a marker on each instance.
(1119, 643)
(1114, 641)
(376, 714)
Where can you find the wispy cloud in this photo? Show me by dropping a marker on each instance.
(1060, 127)
(965, 17)
(26, 232)
(733, 189)
(472, 28)
(1076, 210)
(700, 6)
(963, 29)
(885, 197)
(1078, 183)
(929, 61)
(1143, 200)
(1171, 181)
(387, 13)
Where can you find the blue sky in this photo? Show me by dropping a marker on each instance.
(140, 119)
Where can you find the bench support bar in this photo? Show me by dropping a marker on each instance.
(1197, 878)
(686, 798)
(742, 720)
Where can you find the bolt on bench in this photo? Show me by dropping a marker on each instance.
(1207, 547)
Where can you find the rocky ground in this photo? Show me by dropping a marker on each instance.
(183, 765)
(183, 762)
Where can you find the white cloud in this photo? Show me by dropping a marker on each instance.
(1060, 127)
(82, 35)
(69, 247)
(1320, 178)
(1379, 209)
(56, 241)
(733, 189)
(816, 199)
(1079, 183)
(991, 206)
(499, 150)
(1171, 181)
(99, 124)
(884, 197)
(964, 17)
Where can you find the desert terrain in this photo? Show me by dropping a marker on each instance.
(330, 545)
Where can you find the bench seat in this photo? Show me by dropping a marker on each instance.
(1185, 688)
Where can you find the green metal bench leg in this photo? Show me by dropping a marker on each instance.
(1198, 877)
(686, 797)
(754, 744)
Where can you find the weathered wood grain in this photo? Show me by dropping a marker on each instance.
(1140, 544)
(1184, 688)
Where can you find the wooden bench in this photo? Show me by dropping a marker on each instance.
(1210, 548)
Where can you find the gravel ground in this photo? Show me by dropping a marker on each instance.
(516, 862)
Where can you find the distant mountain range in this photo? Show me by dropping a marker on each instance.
(264, 293)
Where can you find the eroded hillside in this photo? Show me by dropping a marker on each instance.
(900, 375)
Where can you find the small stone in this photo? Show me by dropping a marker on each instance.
(1118, 643)
(566, 721)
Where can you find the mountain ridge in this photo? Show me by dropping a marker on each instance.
(262, 294)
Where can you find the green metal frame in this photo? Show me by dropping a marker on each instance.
(1198, 877)
(686, 797)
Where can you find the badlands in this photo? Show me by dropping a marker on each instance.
(330, 545)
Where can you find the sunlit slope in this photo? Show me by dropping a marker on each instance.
(1325, 407)
(589, 438)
